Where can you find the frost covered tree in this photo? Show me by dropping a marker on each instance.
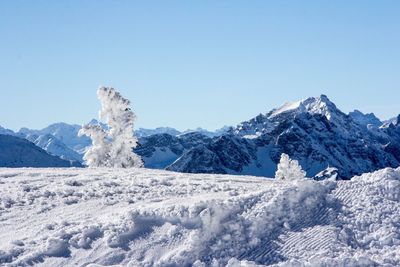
(98, 154)
(289, 169)
(112, 147)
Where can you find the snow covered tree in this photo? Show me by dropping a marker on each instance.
(98, 154)
(289, 169)
(112, 147)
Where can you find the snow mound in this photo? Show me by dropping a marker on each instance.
(141, 217)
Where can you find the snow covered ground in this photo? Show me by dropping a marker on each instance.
(142, 217)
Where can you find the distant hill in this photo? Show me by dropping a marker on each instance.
(19, 152)
(66, 133)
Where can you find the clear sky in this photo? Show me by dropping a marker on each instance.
(195, 63)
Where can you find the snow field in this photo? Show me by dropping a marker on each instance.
(141, 217)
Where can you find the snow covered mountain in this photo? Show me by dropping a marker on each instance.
(6, 131)
(394, 121)
(142, 132)
(141, 217)
(19, 152)
(66, 133)
(313, 131)
(208, 133)
(54, 146)
(61, 139)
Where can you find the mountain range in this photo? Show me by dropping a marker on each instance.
(313, 131)
(61, 140)
(19, 152)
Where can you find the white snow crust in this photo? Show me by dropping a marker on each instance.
(286, 107)
(141, 217)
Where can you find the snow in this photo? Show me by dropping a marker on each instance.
(54, 147)
(313, 105)
(142, 217)
(66, 133)
(285, 107)
(252, 136)
(142, 132)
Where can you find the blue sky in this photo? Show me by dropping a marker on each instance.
(195, 63)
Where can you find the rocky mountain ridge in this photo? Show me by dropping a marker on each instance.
(313, 131)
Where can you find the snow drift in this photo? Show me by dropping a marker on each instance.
(141, 217)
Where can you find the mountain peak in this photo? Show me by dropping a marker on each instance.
(314, 105)
(262, 124)
(320, 105)
(93, 122)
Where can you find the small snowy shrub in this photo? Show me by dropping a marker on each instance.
(112, 147)
(289, 169)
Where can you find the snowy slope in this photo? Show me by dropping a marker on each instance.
(54, 146)
(143, 132)
(141, 217)
(19, 152)
(393, 121)
(66, 133)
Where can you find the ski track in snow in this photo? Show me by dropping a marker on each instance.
(142, 217)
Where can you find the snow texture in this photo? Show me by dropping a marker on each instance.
(112, 147)
(289, 169)
(141, 217)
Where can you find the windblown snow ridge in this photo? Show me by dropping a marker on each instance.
(78, 217)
